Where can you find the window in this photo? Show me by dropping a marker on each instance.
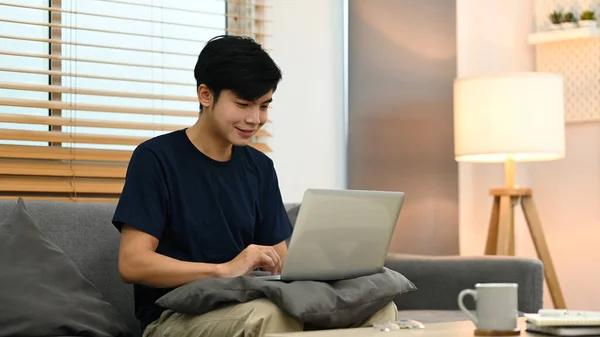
(82, 82)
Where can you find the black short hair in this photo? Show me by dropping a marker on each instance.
(236, 63)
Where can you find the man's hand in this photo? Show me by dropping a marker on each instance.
(254, 256)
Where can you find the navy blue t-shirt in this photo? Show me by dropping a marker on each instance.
(200, 210)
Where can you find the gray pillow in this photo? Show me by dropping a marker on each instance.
(42, 293)
(292, 213)
(319, 305)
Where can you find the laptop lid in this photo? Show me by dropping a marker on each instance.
(341, 234)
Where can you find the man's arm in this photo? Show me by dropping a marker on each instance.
(139, 263)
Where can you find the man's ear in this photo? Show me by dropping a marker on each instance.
(205, 96)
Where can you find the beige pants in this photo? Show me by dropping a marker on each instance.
(251, 319)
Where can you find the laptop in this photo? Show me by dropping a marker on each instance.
(340, 234)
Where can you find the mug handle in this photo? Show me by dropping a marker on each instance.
(461, 305)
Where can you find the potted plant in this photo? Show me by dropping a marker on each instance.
(555, 19)
(588, 19)
(568, 21)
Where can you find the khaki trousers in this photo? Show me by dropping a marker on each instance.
(250, 319)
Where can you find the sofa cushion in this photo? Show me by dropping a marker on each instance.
(70, 225)
(42, 291)
(292, 212)
(319, 305)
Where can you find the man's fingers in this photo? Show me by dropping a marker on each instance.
(267, 263)
(278, 261)
(266, 260)
(273, 254)
(269, 259)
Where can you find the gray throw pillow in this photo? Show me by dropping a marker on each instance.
(319, 305)
(292, 213)
(42, 292)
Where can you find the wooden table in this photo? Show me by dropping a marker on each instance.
(452, 329)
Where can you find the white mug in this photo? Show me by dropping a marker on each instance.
(496, 306)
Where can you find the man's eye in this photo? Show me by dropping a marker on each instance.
(243, 104)
(264, 107)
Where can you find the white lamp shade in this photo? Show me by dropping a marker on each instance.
(516, 116)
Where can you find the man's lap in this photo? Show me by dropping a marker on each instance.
(253, 318)
(250, 319)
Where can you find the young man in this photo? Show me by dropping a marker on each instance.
(199, 203)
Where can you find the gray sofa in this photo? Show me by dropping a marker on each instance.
(84, 232)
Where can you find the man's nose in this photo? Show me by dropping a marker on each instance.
(253, 116)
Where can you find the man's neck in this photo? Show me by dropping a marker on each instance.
(202, 135)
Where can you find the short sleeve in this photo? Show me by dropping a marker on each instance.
(143, 201)
(273, 226)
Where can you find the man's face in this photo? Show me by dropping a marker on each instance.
(237, 120)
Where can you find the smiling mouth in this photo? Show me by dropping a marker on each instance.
(246, 133)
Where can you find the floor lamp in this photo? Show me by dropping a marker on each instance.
(511, 118)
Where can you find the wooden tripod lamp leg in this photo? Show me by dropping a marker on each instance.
(491, 245)
(537, 234)
(505, 227)
(500, 240)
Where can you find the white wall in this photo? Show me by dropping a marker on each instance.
(307, 112)
(566, 192)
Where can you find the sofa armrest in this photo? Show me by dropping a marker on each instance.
(439, 279)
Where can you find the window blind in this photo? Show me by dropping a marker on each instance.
(83, 82)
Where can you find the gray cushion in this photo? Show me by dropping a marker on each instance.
(41, 289)
(292, 212)
(83, 230)
(319, 305)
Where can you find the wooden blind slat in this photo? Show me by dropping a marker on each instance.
(77, 59)
(63, 153)
(92, 92)
(32, 103)
(81, 154)
(98, 77)
(97, 123)
(65, 137)
(61, 169)
(105, 46)
(37, 197)
(61, 185)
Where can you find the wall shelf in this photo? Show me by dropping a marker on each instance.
(573, 53)
(564, 35)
